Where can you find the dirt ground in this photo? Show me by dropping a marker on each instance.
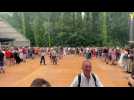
(61, 75)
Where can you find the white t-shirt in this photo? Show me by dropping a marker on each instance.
(54, 53)
(42, 53)
(86, 82)
(21, 55)
(3, 52)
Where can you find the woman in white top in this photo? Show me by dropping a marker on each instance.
(21, 55)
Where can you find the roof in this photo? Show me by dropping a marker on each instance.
(7, 31)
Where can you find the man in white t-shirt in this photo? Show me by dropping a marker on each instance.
(42, 56)
(87, 78)
(54, 57)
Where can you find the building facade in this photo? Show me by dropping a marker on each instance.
(11, 37)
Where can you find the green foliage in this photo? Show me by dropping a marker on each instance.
(69, 29)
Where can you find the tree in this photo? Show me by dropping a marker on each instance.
(70, 29)
(103, 27)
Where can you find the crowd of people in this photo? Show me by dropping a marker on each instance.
(16, 55)
(115, 56)
(12, 55)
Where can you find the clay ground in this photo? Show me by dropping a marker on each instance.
(62, 74)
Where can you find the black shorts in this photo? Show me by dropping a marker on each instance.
(53, 57)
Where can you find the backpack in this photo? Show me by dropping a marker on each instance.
(79, 79)
(125, 56)
(88, 55)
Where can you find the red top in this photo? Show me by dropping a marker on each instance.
(24, 50)
(8, 54)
